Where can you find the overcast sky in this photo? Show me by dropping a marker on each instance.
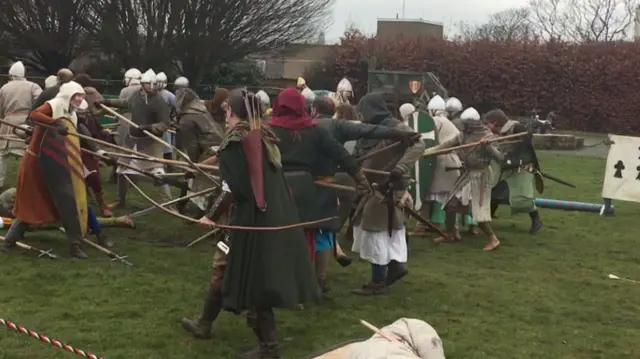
(364, 13)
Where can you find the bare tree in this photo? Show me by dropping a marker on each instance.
(138, 33)
(508, 25)
(45, 34)
(584, 20)
(215, 31)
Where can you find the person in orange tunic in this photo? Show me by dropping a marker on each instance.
(51, 184)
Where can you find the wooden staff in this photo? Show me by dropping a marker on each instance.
(202, 237)
(378, 151)
(444, 151)
(390, 337)
(225, 226)
(112, 255)
(41, 253)
(162, 160)
(159, 140)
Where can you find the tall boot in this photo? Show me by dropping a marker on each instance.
(322, 266)
(15, 233)
(536, 223)
(74, 245)
(123, 188)
(201, 327)
(268, 347)
(104, 208)
(396, 271)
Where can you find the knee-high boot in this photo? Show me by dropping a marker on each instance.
(322, 267)
(201, 327)
(266, 332)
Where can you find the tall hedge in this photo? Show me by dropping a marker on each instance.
(594, 87)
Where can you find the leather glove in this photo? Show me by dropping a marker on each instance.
(396, 175)
(61, 128)
(363, 188)
(412, 138)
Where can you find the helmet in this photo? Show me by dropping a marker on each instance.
(406, 110)
(161, 80)
(181, 82)
(149, 77)
(50, 81)
(470, 114)
(309, 96)
(264, 98)
(132, 77)
(436, 104)
(453, 105)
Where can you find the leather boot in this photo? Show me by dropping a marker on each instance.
(15, 233)
(396, 272)
(201, 327)
(322, 266)
(77, 252)
(102, 241)
(104, 207)
(536, 223)
(268, 347)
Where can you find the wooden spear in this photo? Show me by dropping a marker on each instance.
(159, 140)
(444, 151)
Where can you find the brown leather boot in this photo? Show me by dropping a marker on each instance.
(268, 347)
(201, 327)
(104, 207)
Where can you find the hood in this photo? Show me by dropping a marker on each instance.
(289, 102)
(373, 108)
(215, 105)
(188, 102)
(67, 91)
(50, 82)
(17, 70)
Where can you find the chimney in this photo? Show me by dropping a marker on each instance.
(636, 25)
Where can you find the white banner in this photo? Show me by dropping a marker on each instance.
(622, 173)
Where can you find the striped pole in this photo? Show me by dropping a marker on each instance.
(574, 206)
(45, 339)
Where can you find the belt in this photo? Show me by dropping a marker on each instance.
(23, 112)
(324, 178)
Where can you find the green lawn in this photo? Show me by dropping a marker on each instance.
(536, 297)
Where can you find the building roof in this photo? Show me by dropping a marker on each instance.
(411, 20)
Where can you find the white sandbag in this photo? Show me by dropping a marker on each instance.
(421, 341)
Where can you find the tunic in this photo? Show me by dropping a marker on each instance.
(265, 269)
(16, 100)
(516, 186)
(50, 184)
(371, 238)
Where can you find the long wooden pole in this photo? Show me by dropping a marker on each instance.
(444, 151)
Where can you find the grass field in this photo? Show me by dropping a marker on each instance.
(536, 297)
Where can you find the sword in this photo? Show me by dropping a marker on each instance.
(41, 253)
(556, 179)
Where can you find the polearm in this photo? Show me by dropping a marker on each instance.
(40, 252)
(169, 203)
(81, 136)
(159, 140)
(409, 211)
(164, 161)
(444, 151)
(43, 338)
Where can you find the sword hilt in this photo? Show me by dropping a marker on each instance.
(121, 259)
